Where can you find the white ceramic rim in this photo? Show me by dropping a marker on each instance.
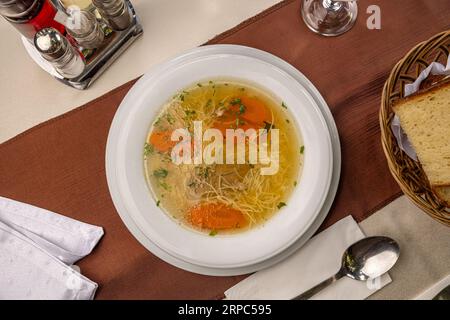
(116, 199)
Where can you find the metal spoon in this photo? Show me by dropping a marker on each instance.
(366, 259)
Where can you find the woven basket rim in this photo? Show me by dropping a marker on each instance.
(408, 175)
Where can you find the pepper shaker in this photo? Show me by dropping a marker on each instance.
(55, 48)
(85, 29)
(115, 12)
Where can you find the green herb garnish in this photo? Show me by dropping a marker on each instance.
(160, 173)
(284, 105)
(157, 203)
(242, 109)
(170, 119)
(281, 205)
(199, 85)
(202, 172)
(148, 150)
(212, 233)
(165, 186)
(295, 183)
(287, 120)
(302, 149)
(235, 101)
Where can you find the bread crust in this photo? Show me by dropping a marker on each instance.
(421, 93)
(397, 104)
(446, 202)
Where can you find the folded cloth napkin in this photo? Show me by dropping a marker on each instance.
(317, 260)
(37, 247)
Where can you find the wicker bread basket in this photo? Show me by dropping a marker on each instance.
(407, 172)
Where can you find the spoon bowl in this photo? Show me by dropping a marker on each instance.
(370, 258)
(366, 259)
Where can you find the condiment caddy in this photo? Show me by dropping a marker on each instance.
(74, 40)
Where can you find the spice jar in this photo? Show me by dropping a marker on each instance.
(115, 12)
(55, 48)
(30, 16)
(85, 29)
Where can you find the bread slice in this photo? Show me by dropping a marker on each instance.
(443, 193)
(425, 118)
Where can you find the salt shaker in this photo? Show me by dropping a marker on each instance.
(55, 48)
(115, 12)
(85, 29)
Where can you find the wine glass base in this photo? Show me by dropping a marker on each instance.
(329, 18)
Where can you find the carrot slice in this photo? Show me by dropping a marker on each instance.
(254, 115)
(215, 216)
(161, 140)
(255, 111)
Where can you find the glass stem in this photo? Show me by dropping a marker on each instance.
(333, 5)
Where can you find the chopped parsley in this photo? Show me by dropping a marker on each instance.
(148, 150)
(242, 109)
(284, 105)
(160, 173)
(202, 172)
(295, 183)
(157, 203)
(170, 119)
(199, 85)
(281, 205)
(190, 113)
(235, 101)
(165, 186)
(302, 149)
(212, 233)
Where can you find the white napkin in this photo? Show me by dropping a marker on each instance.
(37, 248)
(317, 260)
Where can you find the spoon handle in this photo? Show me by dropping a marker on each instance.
(311, 292)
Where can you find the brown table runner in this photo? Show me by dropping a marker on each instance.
(59, 165)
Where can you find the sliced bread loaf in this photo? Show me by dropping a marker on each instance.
(444, 194)
(425, 118)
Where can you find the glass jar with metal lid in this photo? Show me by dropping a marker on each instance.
(85, 29)
(55, 48)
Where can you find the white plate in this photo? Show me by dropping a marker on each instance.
(125, 170)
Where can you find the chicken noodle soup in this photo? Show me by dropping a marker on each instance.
(199, 162)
